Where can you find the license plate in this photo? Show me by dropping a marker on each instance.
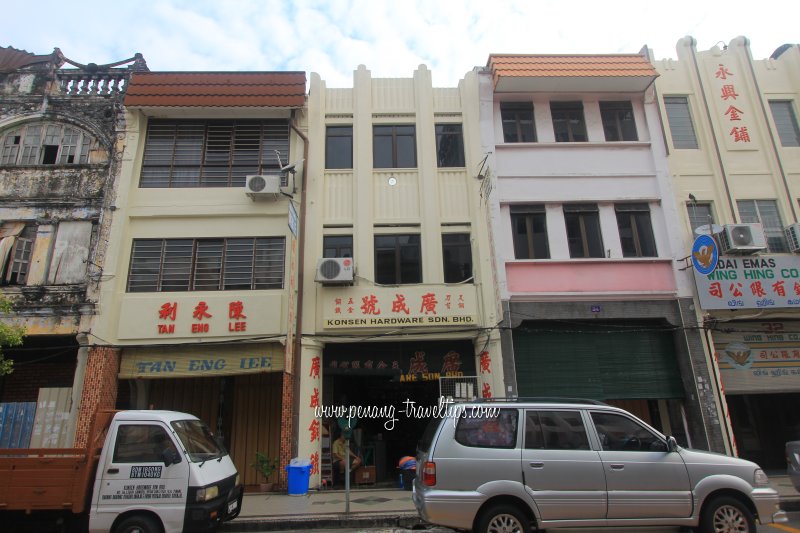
(232, 506)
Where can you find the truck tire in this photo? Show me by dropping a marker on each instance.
(138, 524)
(725, 514)
(503, 518)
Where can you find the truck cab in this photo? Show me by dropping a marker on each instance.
(162, 471)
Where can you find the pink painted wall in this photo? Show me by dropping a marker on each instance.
(590, 276)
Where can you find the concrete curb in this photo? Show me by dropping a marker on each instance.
(310, 522)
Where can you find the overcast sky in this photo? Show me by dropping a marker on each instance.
(392, 38)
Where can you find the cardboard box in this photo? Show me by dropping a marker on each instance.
(365, 475)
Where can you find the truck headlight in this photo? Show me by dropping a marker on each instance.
(207, 493)
(760, 479)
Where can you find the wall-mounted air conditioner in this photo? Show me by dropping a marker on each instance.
(262, 187)
(742, 239)
(335, 271)
(793, 237)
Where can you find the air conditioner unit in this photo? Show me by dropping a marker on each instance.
(793, 237)
(262, 187)
(742, 239)
(335, 271)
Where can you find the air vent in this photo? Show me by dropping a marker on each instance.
(742, 239)
(335, 271)
(263, 187)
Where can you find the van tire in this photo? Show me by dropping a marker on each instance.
(503, 518)
(728, 514)
(138, 524)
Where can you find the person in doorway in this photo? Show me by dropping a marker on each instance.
(340, 453)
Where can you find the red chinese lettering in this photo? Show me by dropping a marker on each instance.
(368, 364)
(315, 363)
(740, 134)
(734, 113)
(428, 303)
(314, 463)
(487, 391)
(757, 289)
(369, 305)
(355, 365)
(452, 362)
(796, 288)
(168, 311)
(333, 364)
(201, 311)
(485, 362)
(722, 72)
(314, 398)
(778, 288)
(399, 304)
(313, 428)
(418, 364)
(344, 365)
(728, 92)
(736, 289)
(395, 365)
(461, 301)
(382, 365)
(236, 310)
(715, 289)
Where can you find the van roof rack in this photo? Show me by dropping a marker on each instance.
(543, 399)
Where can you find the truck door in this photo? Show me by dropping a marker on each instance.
(135, 474)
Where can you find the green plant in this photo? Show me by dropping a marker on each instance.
(265, 465)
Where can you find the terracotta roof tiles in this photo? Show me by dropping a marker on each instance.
(570, 66)
(216, 89)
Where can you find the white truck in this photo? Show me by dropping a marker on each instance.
(143, 471)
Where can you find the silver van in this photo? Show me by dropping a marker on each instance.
(519, 465)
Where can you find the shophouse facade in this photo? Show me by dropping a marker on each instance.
(198, 315)
(585, 231)
(398, 295)
(60, 151)
(734, 153)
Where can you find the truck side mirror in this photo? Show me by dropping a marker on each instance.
(170, 457)
(672, 444)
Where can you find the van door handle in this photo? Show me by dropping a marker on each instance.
(537, 465)
(113, 470)
(617, 467)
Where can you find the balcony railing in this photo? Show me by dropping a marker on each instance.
(78, 82)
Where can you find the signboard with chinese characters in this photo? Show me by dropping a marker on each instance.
(201, 361)
(404, 362)
(751, 282)
(731, 103)
(401, 306)
(759, 357)
(200, 315)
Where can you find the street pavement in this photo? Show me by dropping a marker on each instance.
(392, 511)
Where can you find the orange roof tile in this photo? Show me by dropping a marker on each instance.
(216, 89)
(570, 66)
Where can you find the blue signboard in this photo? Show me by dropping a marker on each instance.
(705, 254)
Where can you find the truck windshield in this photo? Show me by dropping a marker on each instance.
(198, 440)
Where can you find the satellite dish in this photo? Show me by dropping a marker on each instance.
(708, 229)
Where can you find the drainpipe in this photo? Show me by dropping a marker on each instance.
(298, 330)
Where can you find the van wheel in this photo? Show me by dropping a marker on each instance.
(724, 514)
(503, 518)
(138, 524)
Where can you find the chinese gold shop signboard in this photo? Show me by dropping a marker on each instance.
(759, 357)
(755, 282)
(401, 306)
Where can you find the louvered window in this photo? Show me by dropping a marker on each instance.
(246, 263)
(785, 122)
(680, 122)
(213, 153)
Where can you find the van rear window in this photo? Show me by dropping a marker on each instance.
(496, 428)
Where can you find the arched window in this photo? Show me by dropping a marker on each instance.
(45, 144)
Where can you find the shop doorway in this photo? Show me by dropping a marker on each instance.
(762, 424)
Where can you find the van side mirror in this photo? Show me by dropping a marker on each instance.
(672, 444)
(170, 457)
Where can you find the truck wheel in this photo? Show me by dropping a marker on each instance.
(138, 524)
(724, 514)
(503, 518)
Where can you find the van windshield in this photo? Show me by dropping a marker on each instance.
(198, 440)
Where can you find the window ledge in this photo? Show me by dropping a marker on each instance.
(567, 145)
(55, 167)
(592, 260)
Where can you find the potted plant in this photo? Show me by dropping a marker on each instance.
(265, 466)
